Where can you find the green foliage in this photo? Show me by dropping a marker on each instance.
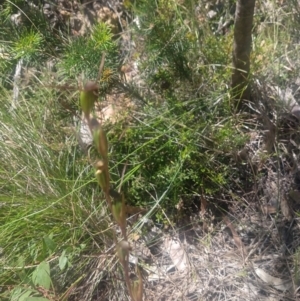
(178, 142)
(25, 34)
(41, 275)
(166, 36)
(46, 207)
(10, 7)
(82, 55)
(180, 149)
(25, 294)
(179, 145)
(28, 45)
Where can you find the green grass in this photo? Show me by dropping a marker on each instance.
(179, 142)
(52, 212)
(49, 199)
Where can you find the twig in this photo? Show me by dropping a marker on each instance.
(101, 67)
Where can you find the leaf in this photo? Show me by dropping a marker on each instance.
(21, 261)
(278, 283)
(24, 296)
(49, 244)
(176, 253)
(20, 294)
(285, 208)
(41, 275)
(63, 260)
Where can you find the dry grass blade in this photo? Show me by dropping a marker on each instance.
(101, 67)
(237, 240)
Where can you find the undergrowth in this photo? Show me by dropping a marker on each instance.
(178, 143)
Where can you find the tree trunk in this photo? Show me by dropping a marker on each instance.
(241, 51)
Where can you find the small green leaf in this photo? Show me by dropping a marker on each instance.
(41, 275)
(63, 260)
(20, 294)
(50, 245)
(21, 261)
(25, 295)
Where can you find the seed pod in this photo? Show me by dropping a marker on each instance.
(140, 289)
(100, 176)
(100, 141)
(122, 254)
(123, 249)
(100, 166)
(137, 285)
(118, 211)
(137, 290)
(88, 96)
(125, 245)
